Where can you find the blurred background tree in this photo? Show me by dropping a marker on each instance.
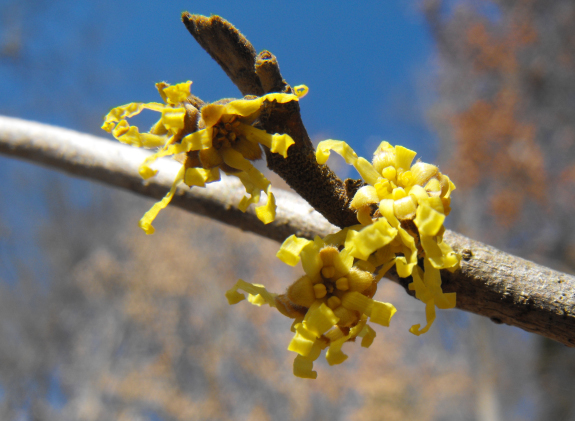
(100, 322)
(506, 118)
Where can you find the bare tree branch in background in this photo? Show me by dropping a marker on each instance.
(491, 283)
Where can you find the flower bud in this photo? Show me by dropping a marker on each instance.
(359, 280)
(383, 157)
(289, 309)
(423, 172)
(301, 292)
(404, 209)
(328, 255)
(433, 187)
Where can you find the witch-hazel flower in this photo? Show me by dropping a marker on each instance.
(414, 200)
(331, 304)
(206, 138)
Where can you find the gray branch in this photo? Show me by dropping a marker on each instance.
(490, 283)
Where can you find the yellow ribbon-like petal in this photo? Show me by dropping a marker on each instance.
(146, 221)
(267, 212)
(311, 261)
(368, 335)
(290, 250)
(303, 340)
(126, 111)
(372, 237)
(255, 290)
(324, 147)
(429, 316)
(428, 220)
(319, 318)
(199, 140)
(178, 93)
(366, 170)
(212, 113)
(278, 143)
(358, 302)
(403, 157)
(302, 368)
(173, 118)
(381, 313)
(300, 90)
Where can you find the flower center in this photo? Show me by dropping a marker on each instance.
(224, 133)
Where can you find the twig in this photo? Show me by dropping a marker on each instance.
(491, 283)
(317, 184)
(112, 163)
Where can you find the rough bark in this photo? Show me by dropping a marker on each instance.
(317, 184)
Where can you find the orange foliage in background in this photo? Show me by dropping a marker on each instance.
(506, 118)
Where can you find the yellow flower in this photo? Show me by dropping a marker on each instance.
(217, 137)
(331, 303)
(414, 200)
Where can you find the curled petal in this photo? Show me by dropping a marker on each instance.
(368, 335)
(303, 340)
(126, 111)
(428, 220)
(212, 113)
(200, 176)
(386, 209)
(199, 140)
(372, 237)
(334, 354)
(173, 118)
(300, 90)
(130, 135)
(146, 221)
(357, 302)
(429, 316)
(319, 318)
(255, 290)
(302, 367)
(278, 143)
(178, 93)
(440, 254)
(381, 313)
(366, 170)
(281, 143)
(311, 261)
(290, 250)
(432, 280)
(267, 213)
(324, 147)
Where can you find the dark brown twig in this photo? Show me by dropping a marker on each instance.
(229, 48)
(316, 183)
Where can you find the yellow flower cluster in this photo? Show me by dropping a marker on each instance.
(401, 212)
(331, 303)
(216, 137)
(413, 201)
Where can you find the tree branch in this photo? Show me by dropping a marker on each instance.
(491, 283)
(317, 184)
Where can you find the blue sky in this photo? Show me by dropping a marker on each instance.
(368, 66)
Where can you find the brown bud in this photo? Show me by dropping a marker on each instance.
(301, 292)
